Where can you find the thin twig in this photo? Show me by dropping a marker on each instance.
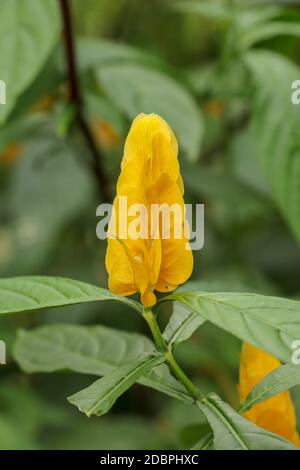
(75, 98)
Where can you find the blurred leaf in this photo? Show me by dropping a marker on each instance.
(270, 323)
(128, 432)
(231, 279)
(279, 380)
(26, 408)
(98, 398)
(206, 443)
(250, 18)
(224, 190)
(182, 325)
(246, 167)
(45, 174)
(93, 53)
(44, 87)
(190, 435)
(277, 145)
(268, 31)
(21, 130)
(66, 120)
(90, 350)
(99, 106)
(215, 10)
(12, 438)
(203, 79)
(22, 294)
(96, 350)
(136, 89)
(24, 25)
(233, 432)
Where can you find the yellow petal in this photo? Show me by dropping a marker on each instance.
(150, 175)
(276, 414)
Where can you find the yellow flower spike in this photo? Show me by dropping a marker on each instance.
(276, 414)
(150, 175)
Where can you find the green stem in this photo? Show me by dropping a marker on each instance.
(170, 359)
(156, 333)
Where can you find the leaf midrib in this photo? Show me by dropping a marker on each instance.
(119, 384)
(226, 421)
(182, 326)
(239, 310)
(247, 405)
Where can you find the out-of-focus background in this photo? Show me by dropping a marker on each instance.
(221, 73)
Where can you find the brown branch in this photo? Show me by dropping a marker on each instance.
(76, 99)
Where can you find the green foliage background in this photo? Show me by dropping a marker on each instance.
(221, 74)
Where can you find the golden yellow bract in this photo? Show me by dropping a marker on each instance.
(276, 414)
(150, 174)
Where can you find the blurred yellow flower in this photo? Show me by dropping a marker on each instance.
(214, 107)
(43, 104)
(10, 153)
(276, 414)
(150, 175)
(104, 133)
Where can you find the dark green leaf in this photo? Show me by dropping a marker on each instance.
(213, 10)
(93, 53)
(222, 190)
(96, 350)
(99, 397)
(233, 432)
(21, 294)
(134, 88)
(268, 31)
(28, 32)
(277, 146)
(183, 323)
(270, 323)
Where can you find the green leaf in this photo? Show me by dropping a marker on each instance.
(264, 32)
(28, 32)
(22, 294)
(134, 88)
(277, 146)
(162, 380)
(183, 323)
(56, 172)
(122, 431)
(222, 190)
(12, 440)
(233, 432)
(21, 130)
(250, 18)
(96, 350)
(98, 398)
(279, 380)
(93, 53)
(270, 323)
(212, 10)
